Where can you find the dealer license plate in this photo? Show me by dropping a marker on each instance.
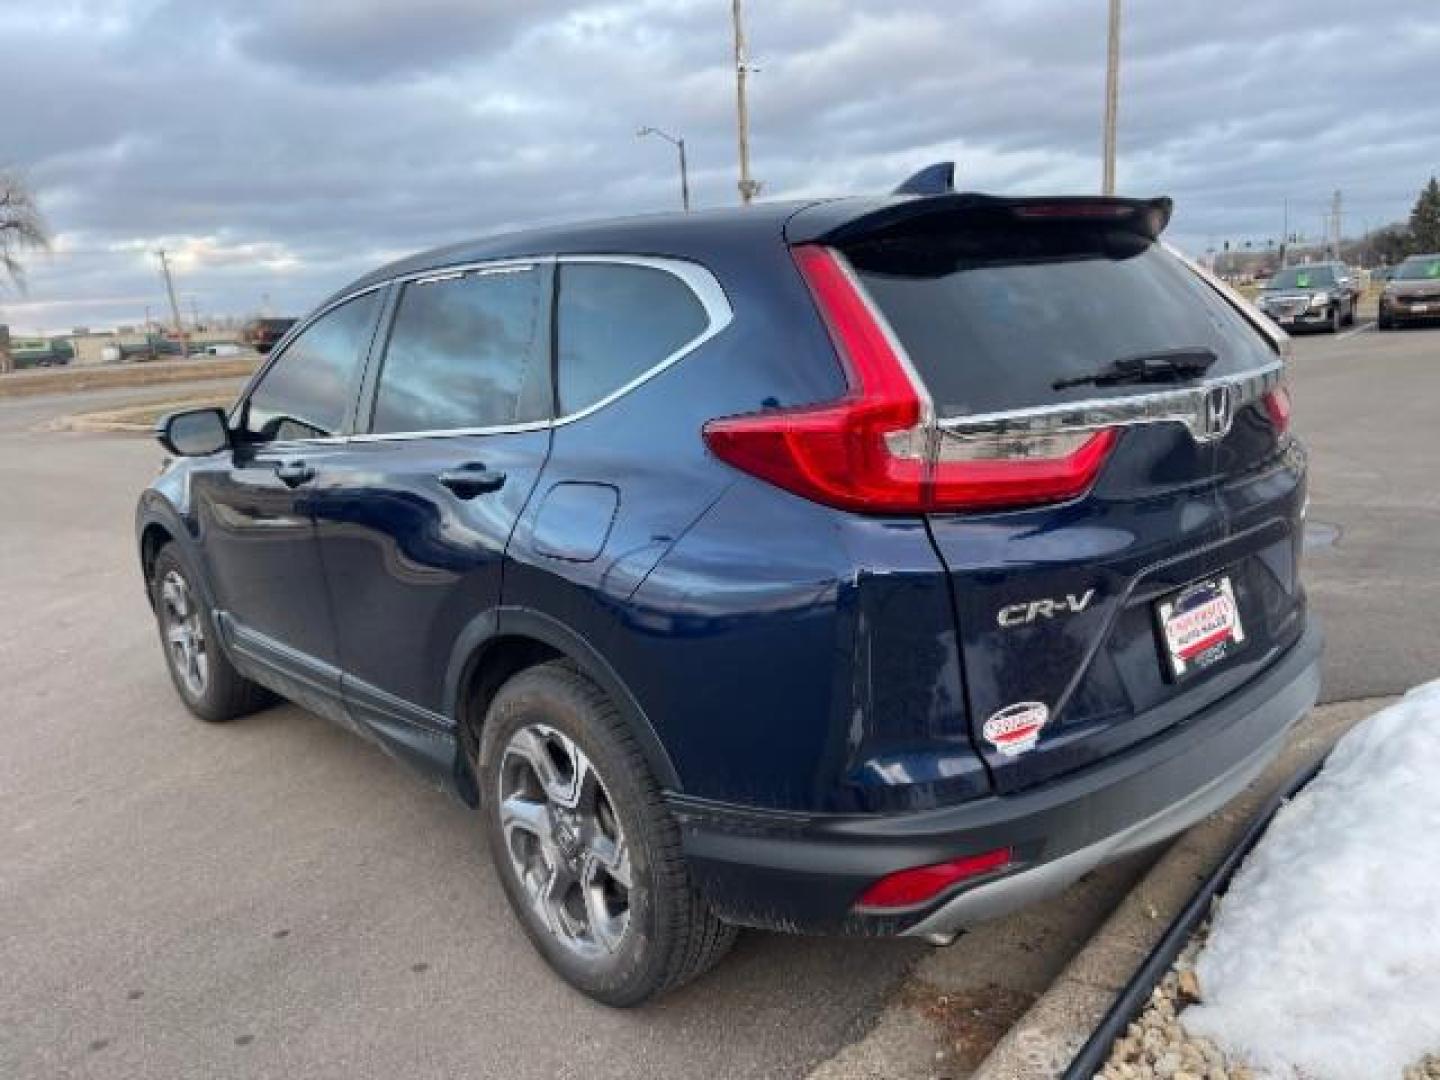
(1200, 625)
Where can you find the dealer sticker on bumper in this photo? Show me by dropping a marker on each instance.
(1016, 728)
(1201, 625)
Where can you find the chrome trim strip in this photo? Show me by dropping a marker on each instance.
(1193, 405)
(700, 281)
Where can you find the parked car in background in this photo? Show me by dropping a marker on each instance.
(263, 334)
(154, 347)
(861, 566)
(40, 352)
(1412, 294)
(1318, 295)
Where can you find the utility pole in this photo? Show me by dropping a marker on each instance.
(1112, 97)
(748, 188)
(174, 305)
(1335, 213)
(1285, 237)
(677, 141)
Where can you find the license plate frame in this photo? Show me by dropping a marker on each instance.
(1199, 626)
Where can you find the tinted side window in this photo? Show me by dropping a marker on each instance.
(306, 391)
(466, 351)
(616, 321)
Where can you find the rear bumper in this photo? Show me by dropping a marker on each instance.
(803, 872)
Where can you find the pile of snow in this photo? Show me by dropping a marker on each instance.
(1324, 957)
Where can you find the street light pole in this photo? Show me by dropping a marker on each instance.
(1112, 98)
(677, 141)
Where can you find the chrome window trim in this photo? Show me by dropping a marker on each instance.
(1190, 405)
(702, 284)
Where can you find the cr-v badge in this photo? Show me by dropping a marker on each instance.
(1015, 728)
(1029, 611)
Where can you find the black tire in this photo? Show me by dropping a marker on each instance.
(1337, 317)
(670, 935)
(1382, 321)
(223, 693)
(1350, 312)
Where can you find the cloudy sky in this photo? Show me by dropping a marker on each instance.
(281, 147)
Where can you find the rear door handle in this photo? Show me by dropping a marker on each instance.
(467, 481)
(294, 472)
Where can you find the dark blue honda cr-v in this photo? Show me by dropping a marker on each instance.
(868, 566)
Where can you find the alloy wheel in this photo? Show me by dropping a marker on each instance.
(564, 841)
(184, 629)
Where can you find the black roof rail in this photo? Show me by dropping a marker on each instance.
(937, 179)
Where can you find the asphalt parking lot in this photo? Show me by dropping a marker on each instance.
(276, 898)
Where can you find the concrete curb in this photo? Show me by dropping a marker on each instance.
(1041, 1044)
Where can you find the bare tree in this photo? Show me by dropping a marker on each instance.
(21, 226)
(21, 229)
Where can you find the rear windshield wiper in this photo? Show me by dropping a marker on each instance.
(1171, 365)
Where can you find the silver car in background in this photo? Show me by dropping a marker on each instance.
(1324, 296)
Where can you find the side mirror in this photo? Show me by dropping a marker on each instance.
(194, 433)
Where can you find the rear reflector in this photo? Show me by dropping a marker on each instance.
(875, 449)
(1277, 407)
(907, 888)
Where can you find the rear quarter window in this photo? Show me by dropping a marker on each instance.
(992, 318)
(615, 322)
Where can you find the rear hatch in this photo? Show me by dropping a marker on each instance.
(1092, 621)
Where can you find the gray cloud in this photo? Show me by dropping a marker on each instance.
(283, 147)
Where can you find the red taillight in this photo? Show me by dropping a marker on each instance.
(875, 449)
(1277, 407)
(907, 888)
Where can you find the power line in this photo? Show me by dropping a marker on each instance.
(132, 252)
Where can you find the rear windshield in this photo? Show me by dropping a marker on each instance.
(1302, 277)
(992, 317)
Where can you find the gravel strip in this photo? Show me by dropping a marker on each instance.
(1156, 1045)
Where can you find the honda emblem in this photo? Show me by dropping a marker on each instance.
(1219, 413)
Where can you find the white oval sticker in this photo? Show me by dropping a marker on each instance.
(1015, 728)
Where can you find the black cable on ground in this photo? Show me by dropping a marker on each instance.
(1131, 1000)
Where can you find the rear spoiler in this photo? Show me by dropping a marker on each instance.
(844, 221)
